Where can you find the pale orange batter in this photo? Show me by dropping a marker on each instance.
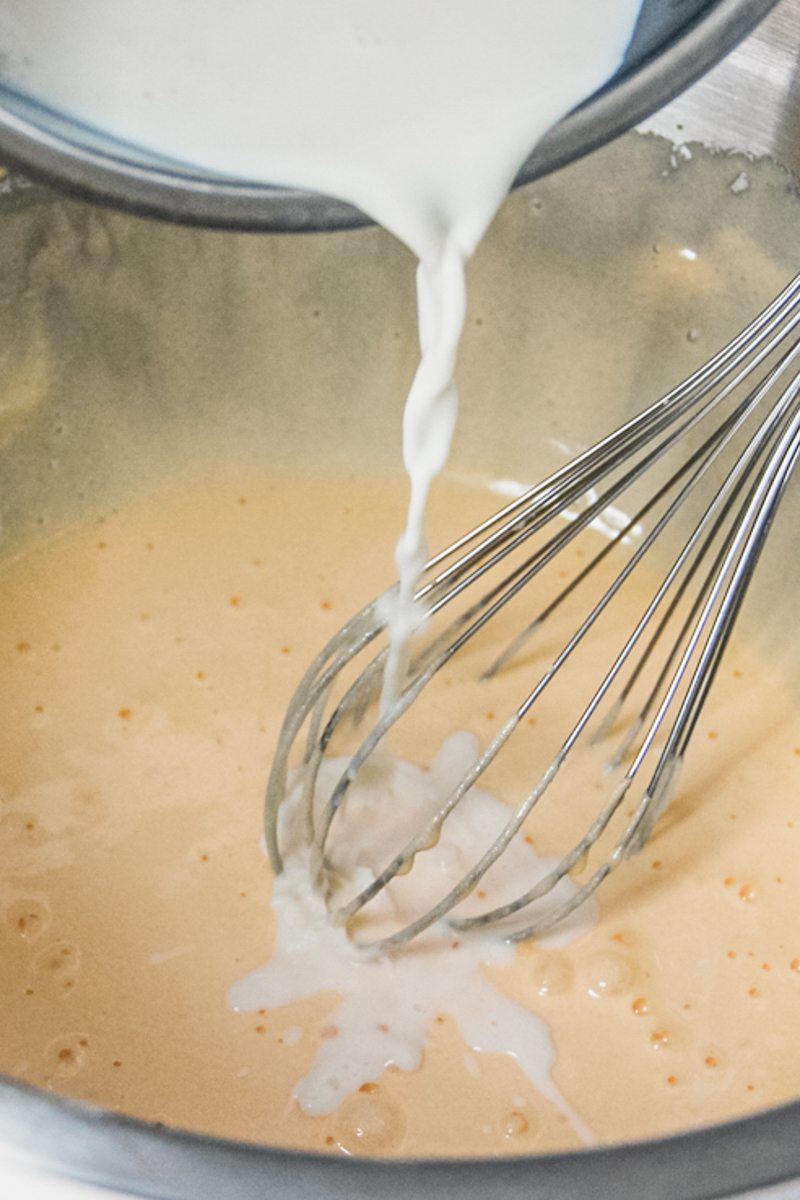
(146, 662)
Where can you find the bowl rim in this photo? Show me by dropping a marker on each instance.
(216, 202)
(97, 1146)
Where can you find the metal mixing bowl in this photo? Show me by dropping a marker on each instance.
(674, 43)
(161, 344)
(90, 292)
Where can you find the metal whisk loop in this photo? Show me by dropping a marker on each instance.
(723, 593)
(753, 380)
(472, 878)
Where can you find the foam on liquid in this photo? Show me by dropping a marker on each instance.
(419, 112)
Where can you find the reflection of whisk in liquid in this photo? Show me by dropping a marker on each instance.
(707, 465)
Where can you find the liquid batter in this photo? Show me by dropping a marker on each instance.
(147, 659)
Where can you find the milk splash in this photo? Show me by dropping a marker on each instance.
(388, 1006)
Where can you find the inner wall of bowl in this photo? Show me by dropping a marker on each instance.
(135, 353)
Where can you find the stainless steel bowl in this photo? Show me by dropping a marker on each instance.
(93, 290)
(674, 43)
(728, 1160)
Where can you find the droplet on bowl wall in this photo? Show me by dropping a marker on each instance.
(56, 968)
(29, 917)
(369, 1123)
(66, 1055)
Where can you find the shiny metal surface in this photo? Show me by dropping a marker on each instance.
(675, 41)
(751, 101)
(148, 1160)
(754, 97)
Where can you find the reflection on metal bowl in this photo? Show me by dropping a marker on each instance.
(116, 422)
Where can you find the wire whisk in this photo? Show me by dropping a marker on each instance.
(701, 472)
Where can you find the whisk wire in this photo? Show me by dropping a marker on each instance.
(400, 861)
(730, 531)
